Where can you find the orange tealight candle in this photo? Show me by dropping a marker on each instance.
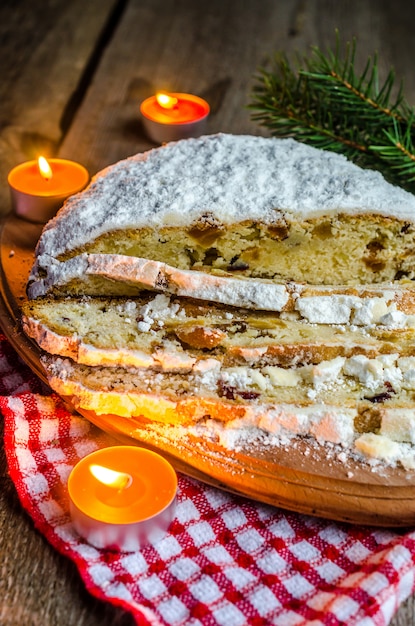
(173, 116)
(39, 188)
(122, 497)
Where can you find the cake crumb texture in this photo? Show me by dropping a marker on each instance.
(256, 206)
(244, 289)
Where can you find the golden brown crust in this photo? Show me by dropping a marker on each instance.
(200, 337)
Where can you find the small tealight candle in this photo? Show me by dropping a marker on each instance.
(40, 187)
(122, 497)
(173, 116)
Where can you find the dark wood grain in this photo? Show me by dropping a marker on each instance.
(105, 56)
(45, 54)
(214, 51)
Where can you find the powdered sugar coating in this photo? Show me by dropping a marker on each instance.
(145, 273)
(234, 177)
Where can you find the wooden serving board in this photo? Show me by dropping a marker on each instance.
(305, 478)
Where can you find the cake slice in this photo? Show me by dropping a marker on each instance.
(176, 334)
(349, 402)
(261, 207)
(114, 275)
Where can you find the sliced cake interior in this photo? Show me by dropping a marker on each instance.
(234, 283)
(260, 207)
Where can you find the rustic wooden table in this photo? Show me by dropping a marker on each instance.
(72, 77)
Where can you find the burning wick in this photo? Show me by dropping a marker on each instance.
(111, 478)
(166, 101)
(45, 169)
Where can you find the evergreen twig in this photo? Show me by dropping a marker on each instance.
(321, 100)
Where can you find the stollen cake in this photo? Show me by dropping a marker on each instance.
(238, 283)
(255, 207)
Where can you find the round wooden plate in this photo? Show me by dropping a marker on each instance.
(301, 477)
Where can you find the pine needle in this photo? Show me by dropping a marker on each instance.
(321, 100)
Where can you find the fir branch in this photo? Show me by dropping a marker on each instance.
(323, 101)
(399, 151)
(344, 86)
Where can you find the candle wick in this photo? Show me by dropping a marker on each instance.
(119, 481)
(125, 483)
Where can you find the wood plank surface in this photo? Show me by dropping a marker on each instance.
(46, 54)
(214, 51)
(104, 57)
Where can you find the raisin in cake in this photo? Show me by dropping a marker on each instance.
(257, 283)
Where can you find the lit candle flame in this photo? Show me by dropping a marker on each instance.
(166, 101)
(44, 168)
(107, 476)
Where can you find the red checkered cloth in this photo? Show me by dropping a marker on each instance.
(225, 560)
